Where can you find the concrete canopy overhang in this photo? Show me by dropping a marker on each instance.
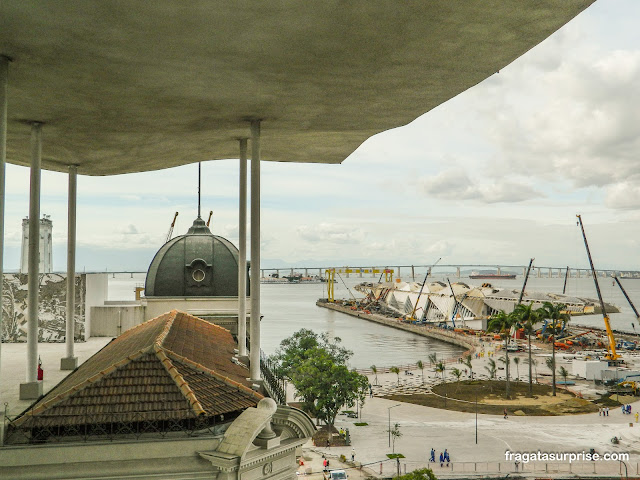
(135, 86)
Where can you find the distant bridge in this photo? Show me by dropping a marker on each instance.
(410, 272)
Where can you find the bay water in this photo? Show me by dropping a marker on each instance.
(289, 307)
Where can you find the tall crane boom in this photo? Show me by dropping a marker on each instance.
(612, 355)
(210, 215)
(173, 224)
(627, 297)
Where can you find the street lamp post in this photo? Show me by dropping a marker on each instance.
(476, 417)
(389, 412)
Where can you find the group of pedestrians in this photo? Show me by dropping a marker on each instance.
(603, 411)
(626, 409)
(444, 457)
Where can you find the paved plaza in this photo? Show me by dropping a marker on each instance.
(422, 428)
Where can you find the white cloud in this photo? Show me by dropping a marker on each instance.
(624, 195)
(330, 232)
(129, 230)
(455, 184)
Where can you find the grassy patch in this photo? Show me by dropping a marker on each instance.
(461, 396)
(361, 424)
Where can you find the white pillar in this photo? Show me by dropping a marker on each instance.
(242, 252)
(70, 362)
(4, 70)
(32, 388)
(254, 325)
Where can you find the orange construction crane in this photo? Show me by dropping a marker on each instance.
(210, 214)
(173, 224)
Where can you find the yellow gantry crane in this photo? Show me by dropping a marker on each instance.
(331, 277)
(612, 355)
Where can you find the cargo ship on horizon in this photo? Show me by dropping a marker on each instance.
(492, 276)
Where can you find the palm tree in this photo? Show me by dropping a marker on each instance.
(420, 365)
(564, 374)
(554, 312)
(491, 368)
(516, 360)
(440, 367)
(433, 359)
(502, 323)
(396, 370)
(533, 362)
(551, 365)
(467, 363)
(526, 319)
(457, 373)
(374, 370)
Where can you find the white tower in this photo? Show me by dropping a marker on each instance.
(46, 258)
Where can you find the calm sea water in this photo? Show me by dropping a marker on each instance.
(288, 308)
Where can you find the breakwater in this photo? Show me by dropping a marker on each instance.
(464, 341)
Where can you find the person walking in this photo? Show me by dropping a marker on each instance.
(505, 413)
(432, 458)
(353, 454)
(441, 459)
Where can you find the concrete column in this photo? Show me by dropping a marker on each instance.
(458, 272)
(398, 276)
(538, 272)
(71, 362)
(255, 252)
(32, 388)
(498, 269)
(550, 273)
(4, 70)
(306, 272)
(242, 253)
(524, 271)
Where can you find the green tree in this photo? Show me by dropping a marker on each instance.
(502, 323)
(316, 367)
(526, 318)
(301, 345)
(468, 364)
(420, 474)
(396, 370)
(374, 370)
(395, 434)
(420, 365)
(554, 312)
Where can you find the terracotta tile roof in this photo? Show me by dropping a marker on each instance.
(173, 367)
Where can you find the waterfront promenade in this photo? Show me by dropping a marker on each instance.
(422, 428)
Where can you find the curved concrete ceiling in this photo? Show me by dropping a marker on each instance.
(133, 86)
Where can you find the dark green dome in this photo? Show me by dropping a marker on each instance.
(198, 264)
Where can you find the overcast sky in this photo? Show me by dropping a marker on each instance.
(495, 175)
